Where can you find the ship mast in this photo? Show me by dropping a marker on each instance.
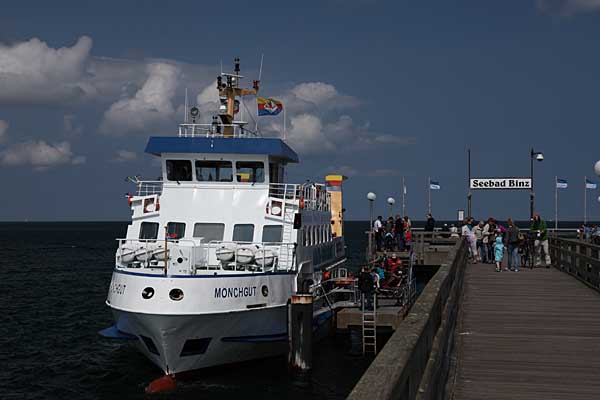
(228, 91)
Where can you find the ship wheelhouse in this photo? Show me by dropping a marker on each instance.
(223, 207)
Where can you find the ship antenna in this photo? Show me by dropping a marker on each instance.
(261, 64)
(185, 113)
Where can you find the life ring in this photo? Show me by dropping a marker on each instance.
(129, 199)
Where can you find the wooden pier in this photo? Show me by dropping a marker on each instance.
(534, 334)
(479, 334)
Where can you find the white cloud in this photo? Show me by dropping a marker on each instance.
(32, 72)
(315, 124)
(39, 154)
(567, 7)
(3, 128)
(124, 156)
(150, 107)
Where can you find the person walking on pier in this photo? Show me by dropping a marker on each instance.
(367, 287)
(512, 239)
(399, 231)
(539, 228)
(489, 233)
(467, 232)
(499, 253)
(481, 246)
(430, 223)
(378, 230)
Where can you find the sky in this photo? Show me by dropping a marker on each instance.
(376, 90)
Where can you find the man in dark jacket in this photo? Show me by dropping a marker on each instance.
(512, 239)
(430, 223)
(399, 231)
(366, 287)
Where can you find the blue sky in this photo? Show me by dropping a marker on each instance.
(373, 89)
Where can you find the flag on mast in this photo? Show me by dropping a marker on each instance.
(267, 106)
(561, 183)
(590, 184)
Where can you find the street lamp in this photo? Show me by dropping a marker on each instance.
(371, 197)
(391, 202)
(538, 155)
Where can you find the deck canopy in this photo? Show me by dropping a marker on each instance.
(206, 145)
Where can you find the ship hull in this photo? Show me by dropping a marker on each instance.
(178, 343)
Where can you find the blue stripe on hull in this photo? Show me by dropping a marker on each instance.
(114, 333)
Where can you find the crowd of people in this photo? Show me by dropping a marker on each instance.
(384, 272)
(489, 242)
(589, 233)
(393, 234)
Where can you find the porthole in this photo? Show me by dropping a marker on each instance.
(147, 293)
(176, 294)
(180, 260)
(265, 290)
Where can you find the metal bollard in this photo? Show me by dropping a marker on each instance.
(300, 335)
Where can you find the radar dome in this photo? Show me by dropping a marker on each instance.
(597, 168)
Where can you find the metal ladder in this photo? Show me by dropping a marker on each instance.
(287, 216)
(369, 327)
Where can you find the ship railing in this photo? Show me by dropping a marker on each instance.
(206, 259)
(214, 130)
(147, 253)
(310, 196)
(198, 257)
(148, 188)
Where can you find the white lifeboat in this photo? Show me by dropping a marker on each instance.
(264, 258)
(127, 253)
(226, 252)
(145, 252)
(159, 252)
(245, 254)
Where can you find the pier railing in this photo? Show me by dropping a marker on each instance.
(415, 361)
(577, 258)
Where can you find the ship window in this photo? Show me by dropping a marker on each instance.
(179, 170)
(250, 171)
(243, 233)
(214, 171)
(149, 230)
(272, 233)
(209, 231)
(176, 230)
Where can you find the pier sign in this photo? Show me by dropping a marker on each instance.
(500, 183)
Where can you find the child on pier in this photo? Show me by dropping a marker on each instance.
(499, 252)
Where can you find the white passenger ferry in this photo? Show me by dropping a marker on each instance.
(216, 249)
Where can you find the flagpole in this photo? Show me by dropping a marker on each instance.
(283, 123)
(555, 206)
(403, 197)
(429, 193)
(585, 200)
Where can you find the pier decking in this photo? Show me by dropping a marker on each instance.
(534, 334)
(478, 334)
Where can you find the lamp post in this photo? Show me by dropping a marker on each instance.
(540, 157)
(371, 197)
(391, 202)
